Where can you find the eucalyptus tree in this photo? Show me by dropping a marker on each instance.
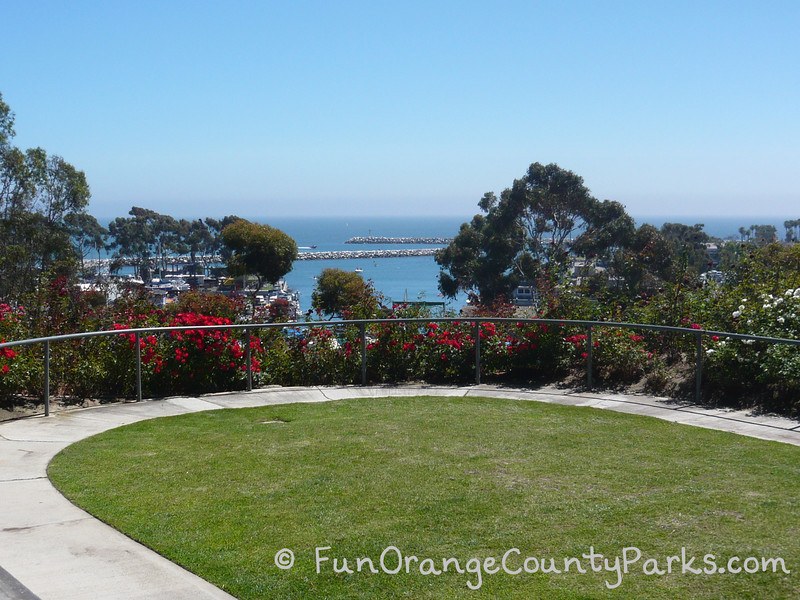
(646, 264)
(166, 236)
(87, 235)
(38, 193)
(147, 239)
(689, 247)
(531, 233)
(194, 237)
(133, 240)
(215, 244)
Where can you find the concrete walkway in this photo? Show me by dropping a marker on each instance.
(49, 549)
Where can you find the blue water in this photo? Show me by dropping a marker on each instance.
(397, 279)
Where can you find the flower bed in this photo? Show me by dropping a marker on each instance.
(199, 360)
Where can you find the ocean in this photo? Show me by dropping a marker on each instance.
(397, 279)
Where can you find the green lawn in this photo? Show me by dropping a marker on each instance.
(221, 492)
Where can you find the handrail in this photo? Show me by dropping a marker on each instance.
(362, 324)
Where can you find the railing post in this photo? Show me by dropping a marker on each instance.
(248, 359)
(47, 378)
(589, 348)
(138, 367)
(698, 373)
(362, 328)
(477, 353)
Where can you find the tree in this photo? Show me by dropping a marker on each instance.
(133, 240)
(791, 227)
(215, 245)
(86, 235)
(38, 194)
(688, 244)
(257, 250)
(764, 234)
(744, 233)
(147, 239)
(531, 233)
(646, 263)
(6, 123)
(194, 238)
(344, 293)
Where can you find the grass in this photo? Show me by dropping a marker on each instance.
(221, 492)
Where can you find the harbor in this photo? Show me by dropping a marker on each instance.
(178, 263)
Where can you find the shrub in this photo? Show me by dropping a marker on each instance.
(768, 371)
(217, 305)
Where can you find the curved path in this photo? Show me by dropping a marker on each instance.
(50, 549)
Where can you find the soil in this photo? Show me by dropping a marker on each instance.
(27, 407)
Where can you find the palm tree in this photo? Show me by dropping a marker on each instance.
(742, 233)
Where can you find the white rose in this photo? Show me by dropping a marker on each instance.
(737, 314)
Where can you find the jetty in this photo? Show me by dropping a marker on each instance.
(365, 254)
(398, 240)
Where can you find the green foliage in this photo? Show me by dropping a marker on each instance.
(344, 293)
(146, 238)
(260, 251)
(39, 196)
(771, 372)
(316, 356)
(530, 233)
(688, 244)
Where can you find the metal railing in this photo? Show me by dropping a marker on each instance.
(362, 324)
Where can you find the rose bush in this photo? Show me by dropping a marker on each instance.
(771, 371)
(198, 360)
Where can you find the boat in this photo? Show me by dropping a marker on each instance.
(359, 270)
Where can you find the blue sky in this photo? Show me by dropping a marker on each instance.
(323, 108)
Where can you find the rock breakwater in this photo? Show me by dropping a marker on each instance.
(398, 240)
(364, 254)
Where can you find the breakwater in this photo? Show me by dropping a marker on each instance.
(398, 240)
(365, 254)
